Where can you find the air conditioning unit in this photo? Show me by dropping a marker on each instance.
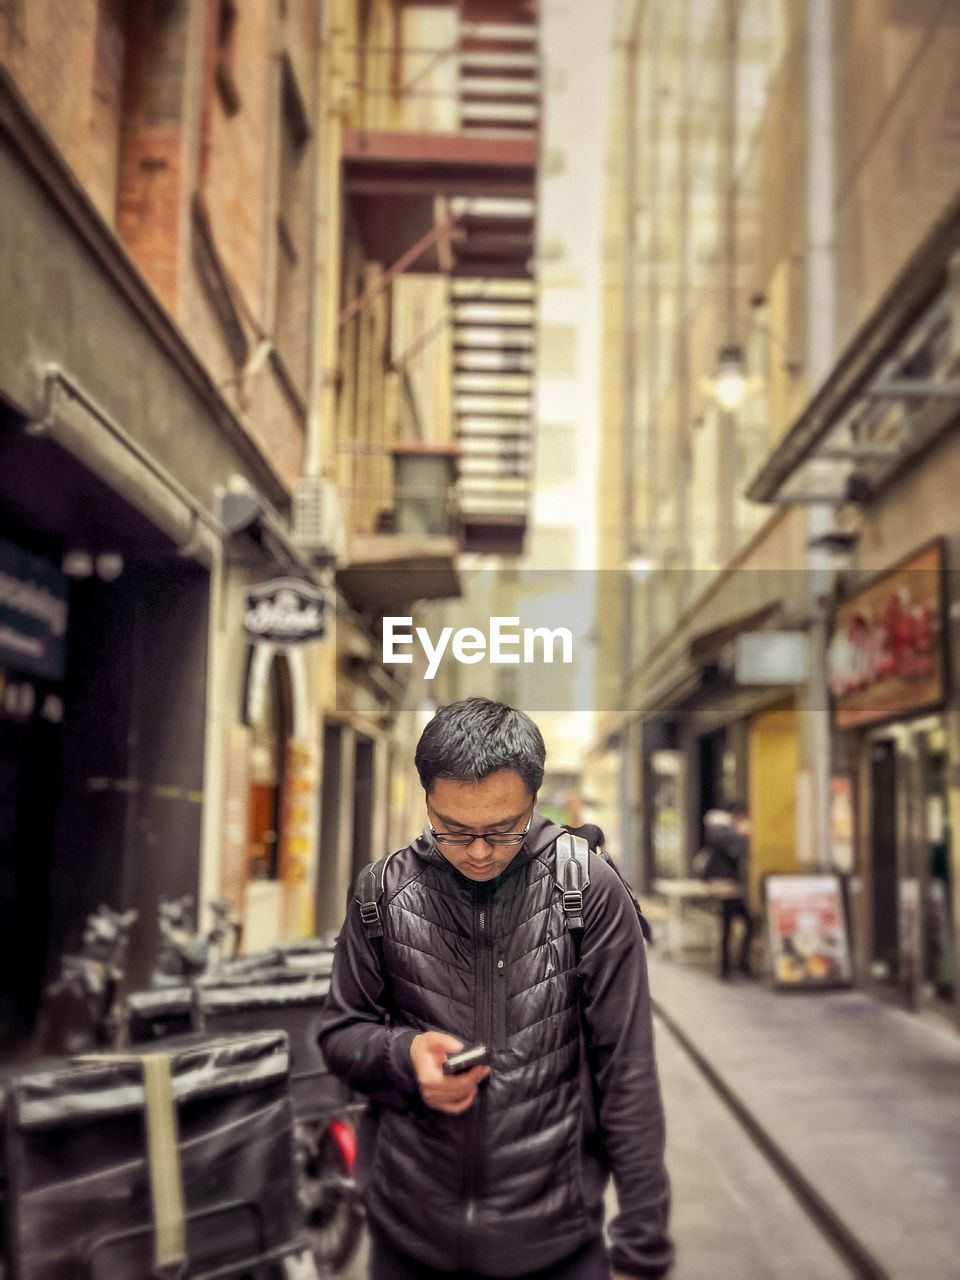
(318, 528)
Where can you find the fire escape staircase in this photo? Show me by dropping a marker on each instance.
(485, 178)
(492, 292)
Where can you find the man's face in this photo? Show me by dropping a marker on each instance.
(500, 802)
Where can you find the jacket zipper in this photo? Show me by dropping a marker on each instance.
(485, 975)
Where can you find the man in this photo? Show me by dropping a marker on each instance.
(500, 1171)
(727, 843)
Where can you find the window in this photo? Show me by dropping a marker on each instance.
(224, 67)
(12, 12)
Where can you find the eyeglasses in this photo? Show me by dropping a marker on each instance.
(464, 838)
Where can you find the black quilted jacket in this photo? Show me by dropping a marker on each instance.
(516, 1183)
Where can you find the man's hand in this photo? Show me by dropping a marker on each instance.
(452, 1094)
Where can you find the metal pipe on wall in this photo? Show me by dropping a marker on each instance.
(821, 307)
(319, 453)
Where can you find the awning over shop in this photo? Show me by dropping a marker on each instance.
(894, 390)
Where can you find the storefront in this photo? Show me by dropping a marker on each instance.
(890, 688)
(726, 730)
(103, 655)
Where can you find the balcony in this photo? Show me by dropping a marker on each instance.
(404, 533)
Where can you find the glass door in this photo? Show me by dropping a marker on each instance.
(935, 851)
(884, 895)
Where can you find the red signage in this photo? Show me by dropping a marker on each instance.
(886, 655)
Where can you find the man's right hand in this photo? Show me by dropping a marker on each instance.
(452, 1094)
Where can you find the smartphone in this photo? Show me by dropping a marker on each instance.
(476, 1056)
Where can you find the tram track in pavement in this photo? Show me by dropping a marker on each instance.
(854, 1254)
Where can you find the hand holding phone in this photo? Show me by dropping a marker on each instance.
(477, 1055)
(451, 1091)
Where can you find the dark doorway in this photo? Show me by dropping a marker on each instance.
(131, 783)
(938, 934)
(711, 749)
(363, 807)
(883, 827)
(29, 751)
(103, 802)
(328, 912)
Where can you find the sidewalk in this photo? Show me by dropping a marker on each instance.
(862, 1100)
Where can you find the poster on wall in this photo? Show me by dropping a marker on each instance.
(886, 654)
(297, 850)
(841, 823)
(807, 940)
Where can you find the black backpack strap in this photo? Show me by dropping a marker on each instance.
(368, 892)
(573, 876)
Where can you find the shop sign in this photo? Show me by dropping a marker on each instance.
(807, 937)
(285, 612)
(770, 657)
(886, 655)
(33, 613)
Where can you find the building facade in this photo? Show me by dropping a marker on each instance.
(782, 402)
(215, 378)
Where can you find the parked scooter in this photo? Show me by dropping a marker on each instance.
(240, 1244)
(198, 986)
(291, 998)
(185, 952)
(89, 986)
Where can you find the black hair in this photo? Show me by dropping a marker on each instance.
(737, 808)
(468, 740)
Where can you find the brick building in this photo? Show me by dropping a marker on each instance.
(159, 164)
(212, 341)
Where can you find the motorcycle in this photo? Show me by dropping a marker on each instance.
(198, 986)
(89, 983)
(186, 953)
(290, 997)
(86, 1019)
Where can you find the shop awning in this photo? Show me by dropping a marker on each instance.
(893, 391)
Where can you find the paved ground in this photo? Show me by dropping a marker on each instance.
(733, 1217)
(862, 1099)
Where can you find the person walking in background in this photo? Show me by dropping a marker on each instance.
(465, 938)
(597, 841)
(576, 807)
(727, 846)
